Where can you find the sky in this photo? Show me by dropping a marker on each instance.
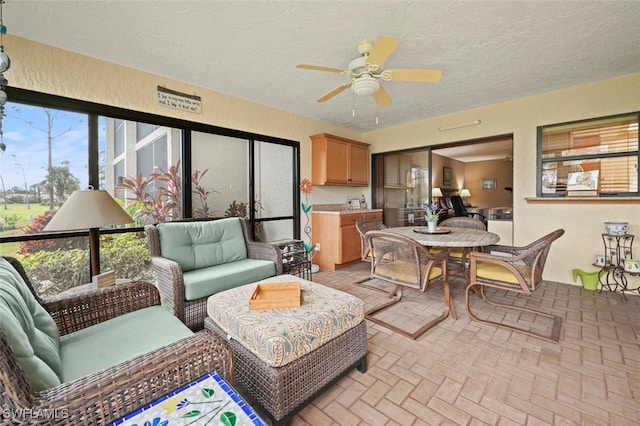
(27, 146)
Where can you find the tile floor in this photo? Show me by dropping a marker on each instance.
(467, 373)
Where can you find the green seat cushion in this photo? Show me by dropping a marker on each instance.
(205, 282)
(196, 245)
(117, 340)
(30, 330)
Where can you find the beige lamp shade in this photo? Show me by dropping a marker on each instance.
(464, 192)
(89, 209)
(436, 193)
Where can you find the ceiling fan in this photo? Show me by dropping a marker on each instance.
(366, 71)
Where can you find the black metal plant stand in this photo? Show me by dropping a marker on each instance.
(295, 259)
(617, 249)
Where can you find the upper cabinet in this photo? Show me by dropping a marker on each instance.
(339, 161)
(396, 171)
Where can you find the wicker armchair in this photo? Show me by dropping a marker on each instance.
(107, 395)
(513, 269)
(404, 262)
(170, 281)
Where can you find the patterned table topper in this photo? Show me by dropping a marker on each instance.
(279, 336)
(208, 400)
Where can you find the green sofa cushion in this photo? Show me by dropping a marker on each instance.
(117, 340)
(196, 245)
(205, 282)
(30, 330)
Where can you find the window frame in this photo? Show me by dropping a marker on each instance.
(609, 155)
(94, 110)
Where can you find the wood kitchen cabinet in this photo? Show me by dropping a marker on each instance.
(396, 168)
(339, 161)
(338, 237)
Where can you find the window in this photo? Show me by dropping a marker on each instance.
(57, 145)
(597, 157)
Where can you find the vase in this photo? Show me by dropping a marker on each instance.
(432, 226)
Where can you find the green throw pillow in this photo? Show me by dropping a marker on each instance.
(30, 330)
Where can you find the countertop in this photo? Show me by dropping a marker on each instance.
(343, 211)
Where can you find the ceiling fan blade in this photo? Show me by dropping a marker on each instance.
(382, 98)
(428, 76)
(319, 68)
(382, 49)
(334, 92)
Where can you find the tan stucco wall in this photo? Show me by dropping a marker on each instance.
(501, 171)
(583, 223)
(46, 69)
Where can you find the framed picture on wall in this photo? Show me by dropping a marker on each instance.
(447, 176)
(583, 184)
(489, 183)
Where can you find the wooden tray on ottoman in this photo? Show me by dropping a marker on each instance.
(275, 295)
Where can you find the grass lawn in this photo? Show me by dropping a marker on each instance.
(25, 215)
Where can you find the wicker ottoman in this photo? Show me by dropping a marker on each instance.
(284, 358)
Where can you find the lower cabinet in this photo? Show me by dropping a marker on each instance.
(338, 237)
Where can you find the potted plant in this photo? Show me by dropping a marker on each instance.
(431, 215)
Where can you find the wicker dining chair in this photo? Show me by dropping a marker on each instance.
(363, 226)
(105, 396)
(404, 262)
(513, 269)
(459, 256)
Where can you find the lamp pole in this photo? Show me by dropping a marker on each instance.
(26, 188)
(4, 193)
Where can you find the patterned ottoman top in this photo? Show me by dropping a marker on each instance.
(279, 336)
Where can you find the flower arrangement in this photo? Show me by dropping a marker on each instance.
(432, 212)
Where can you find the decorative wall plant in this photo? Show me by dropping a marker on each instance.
(305, 187)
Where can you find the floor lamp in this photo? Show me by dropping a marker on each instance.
(89, 209)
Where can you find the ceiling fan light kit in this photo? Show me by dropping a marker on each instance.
(365, 86)
(366, 71)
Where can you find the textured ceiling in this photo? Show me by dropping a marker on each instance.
(490, 51)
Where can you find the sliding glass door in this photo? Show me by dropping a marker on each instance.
(225, 184)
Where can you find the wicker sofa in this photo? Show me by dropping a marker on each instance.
(193, 260)
(45, 379)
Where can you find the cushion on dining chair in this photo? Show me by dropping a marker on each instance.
(495, 272)
(453, 251)
(401, 270)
